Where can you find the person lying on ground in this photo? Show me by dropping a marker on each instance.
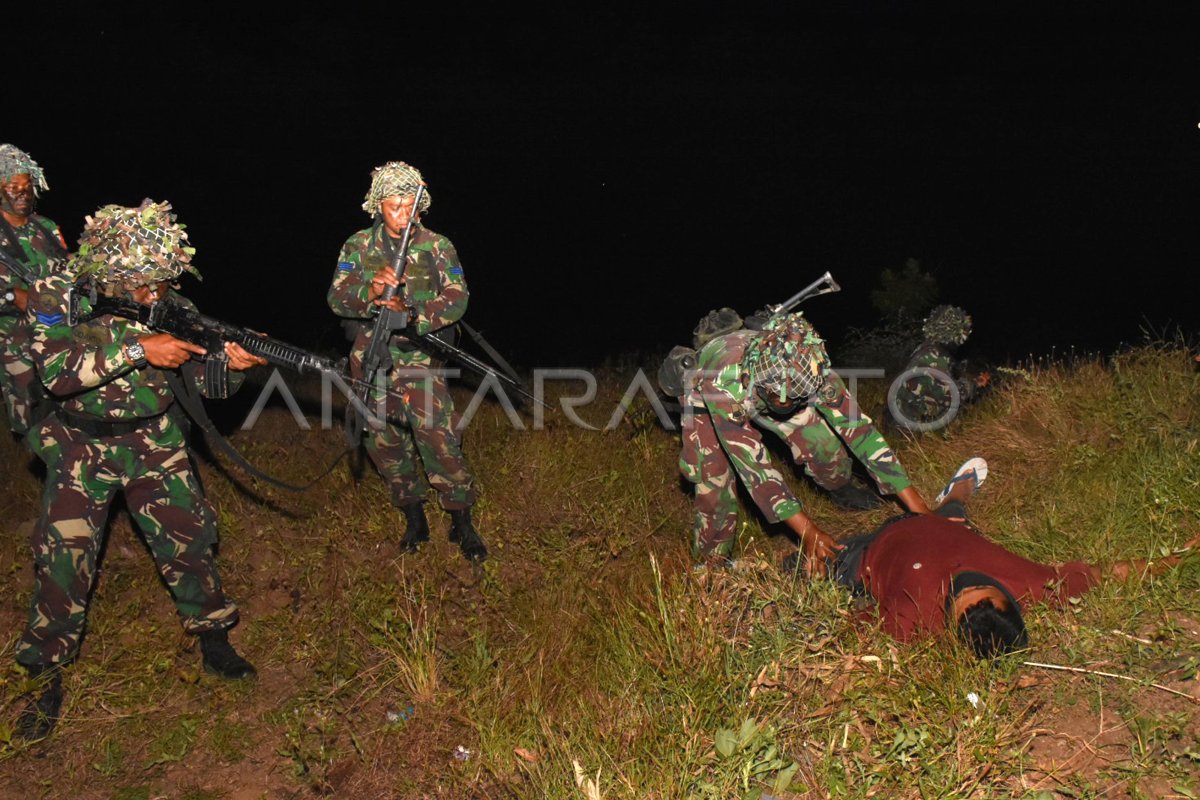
(930, 573)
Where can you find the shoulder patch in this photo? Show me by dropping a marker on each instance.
(345, 266)
(455, 271)
(49, 319)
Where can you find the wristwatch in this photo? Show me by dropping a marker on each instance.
(10, 296)
(136, 354)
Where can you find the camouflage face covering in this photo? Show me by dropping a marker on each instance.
(788, 359)
(132, 247)
(947, 325)
(394, 179)
(14, 161)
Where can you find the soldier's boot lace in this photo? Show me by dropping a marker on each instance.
(221, 659)
(464, 533)
(416, 527)
(855, 496)
(42, 713)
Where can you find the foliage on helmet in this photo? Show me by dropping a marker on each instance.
(947, 325)
(788, 358)
(15, 161)
(133, 247)
(394, 179)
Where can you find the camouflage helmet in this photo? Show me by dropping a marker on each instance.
(788, 359)
(947, 325)
(394, 178)
(132, 247)
(15, 161)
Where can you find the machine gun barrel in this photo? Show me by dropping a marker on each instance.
(822, 285)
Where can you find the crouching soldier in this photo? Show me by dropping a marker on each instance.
(933, 387)
(778, 379)
(112, 431)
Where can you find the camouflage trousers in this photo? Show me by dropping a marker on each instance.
(925, 398)
(420, 434)
(18, 381)
(165, 499)
(704, 461)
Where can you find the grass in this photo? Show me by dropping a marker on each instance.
(587, 658)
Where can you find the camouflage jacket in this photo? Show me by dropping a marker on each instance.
(722, 389)
(40, 245)
(84, 367)
(434, 287)
(931, 355)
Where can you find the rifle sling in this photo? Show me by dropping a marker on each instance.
(188, 394)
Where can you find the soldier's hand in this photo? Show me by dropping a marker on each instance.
(383, 278)
(20, 298)
(816, 545)
(165, 351)
(818, 548)
(241, 359)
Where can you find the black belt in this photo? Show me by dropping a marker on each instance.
(104, 429)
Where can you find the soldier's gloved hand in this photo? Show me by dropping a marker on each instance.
(241, 359)
(165, 351)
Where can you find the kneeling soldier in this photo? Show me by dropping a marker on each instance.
(112, 431)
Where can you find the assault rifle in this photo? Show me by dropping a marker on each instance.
(375, 357)
(183, 323)
(433, 345)
(822, 285)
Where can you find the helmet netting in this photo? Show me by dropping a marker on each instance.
(947, 325)
(133, 247)
(788, 358)
(15, 161)
(394, 179)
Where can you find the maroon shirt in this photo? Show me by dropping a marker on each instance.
(908, 568)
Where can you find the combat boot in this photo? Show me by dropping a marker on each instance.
(855, 496)
(416, 527)
(41, 715)
(464, 533)
(221, 659)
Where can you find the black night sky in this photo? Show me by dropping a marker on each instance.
(608, 177)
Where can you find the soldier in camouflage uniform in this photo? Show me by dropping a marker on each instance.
(778, 379)
(929, 389)
(37, 243)
(112, 431)
(432, 289)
